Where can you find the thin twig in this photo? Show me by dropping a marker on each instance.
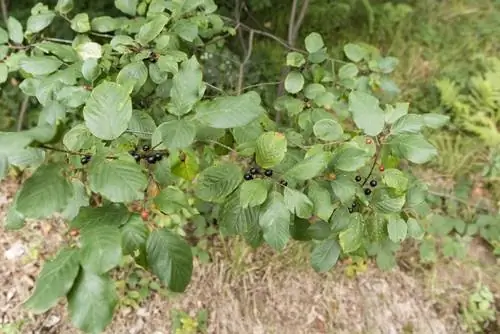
(220, 144)
(291, 22)
(267, 34)
(375, 159)
(245, 61)
(261, 84)
(58, 40)
(55, 149)
(298, 23)
(5, 12)
(22, 113)
(237, 16)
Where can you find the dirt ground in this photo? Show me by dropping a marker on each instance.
(264, 299)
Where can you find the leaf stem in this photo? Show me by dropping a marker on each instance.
(377, 155)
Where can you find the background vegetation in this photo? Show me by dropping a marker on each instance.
(449, 63)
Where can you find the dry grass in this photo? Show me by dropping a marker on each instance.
(244, 291)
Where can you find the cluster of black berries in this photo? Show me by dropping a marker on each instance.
(353, 206)
(150, 157)
(368, 191)
(254, 172)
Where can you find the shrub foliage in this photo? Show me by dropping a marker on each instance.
(132, 144)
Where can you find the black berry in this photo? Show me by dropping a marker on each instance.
(368, 191)
(248, 176)
(268, 172)
(283, 183)
(350, 210)
(145, 148)
(158, 156)
(254, 171)
(85, 159)
(151, 159)
(353, 205)
(357, 178)
(132, 152)
(137, 157)
(373, 183)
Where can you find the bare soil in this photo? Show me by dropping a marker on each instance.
(263, 298)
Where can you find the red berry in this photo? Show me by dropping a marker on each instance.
(381, 168)
(369, 141)
(145, 215)
(74, 233)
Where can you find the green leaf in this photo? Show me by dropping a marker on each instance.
(319, 230)
(310, 167)
(127, 6)
(187, 88)
(397, 229)
(345, 189)
(92, 301)
(349, 158)
(4, 36)
(314, 42)
(215, 183)
(79, 199)
(40, 65)
(101, 248)
(142, 124)
(188, 168)
(235, 219)
(151, 30)
(435, 121)
(64, 6)
(410, 123)
(274, 219)
(108, 111)
(366, 112)
(15, 29)
(351, 238)
(170, 258)
(38, 22)
(104, 24)
(394, 178)
(80, 23)
(392, 114)
(298, 203)
(226, 111)
(44, 193)
(294, 82)
(325, 255)
(91, 69)
(270, 149)
(186, 30)
(354, 52)
(171, 200)
(386, 202)
(116, 180)
(328, 130)
(415, 231)
(174, 134)
(413, 147)
(295, 59)
(133, 75)
(134, 235)
(4, 72)
(54, 281)
(322, 200)
(110, 214)
(78, 137)
(253, 193)
(89, 50)
(348, 71)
